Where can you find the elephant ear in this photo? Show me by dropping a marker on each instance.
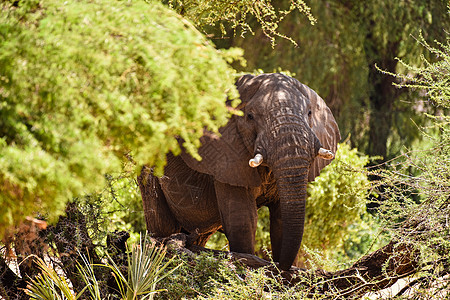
(324, 126)
(226, 157)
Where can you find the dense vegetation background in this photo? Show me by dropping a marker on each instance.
(92, 90)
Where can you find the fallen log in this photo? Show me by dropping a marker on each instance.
(373, 272)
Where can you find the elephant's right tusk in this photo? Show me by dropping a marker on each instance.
(325, 154)
(256, 161)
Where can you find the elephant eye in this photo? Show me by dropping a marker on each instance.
(250, 116)
(309, 113)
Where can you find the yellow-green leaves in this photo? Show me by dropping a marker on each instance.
(336, 200)
(236, 15)
(84, 82)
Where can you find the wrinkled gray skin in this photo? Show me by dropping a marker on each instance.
(283, 120)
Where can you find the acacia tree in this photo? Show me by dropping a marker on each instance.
(338, 56)
(84, 83)
(236, 17)
(387, 38)
(417, 206)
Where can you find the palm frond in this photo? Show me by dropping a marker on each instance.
(121, 281)
(145, 270)
(88, 275)
(46, 285)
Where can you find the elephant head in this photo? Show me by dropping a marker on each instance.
(285, 128)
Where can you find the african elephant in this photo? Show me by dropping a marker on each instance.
(263, 158)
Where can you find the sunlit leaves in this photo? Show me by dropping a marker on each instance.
(235, 15)
(84, 82)
(336, 201)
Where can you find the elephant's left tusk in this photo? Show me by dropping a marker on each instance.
(256, 161)
(325, 154)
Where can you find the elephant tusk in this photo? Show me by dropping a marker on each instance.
(256, 161)
(325, 154)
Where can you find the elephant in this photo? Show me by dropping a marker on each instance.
(264, 157)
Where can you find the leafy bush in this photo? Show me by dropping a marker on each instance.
(83, 82)
(336, 204)
(193, 278)
(117, 207)
(208, 277)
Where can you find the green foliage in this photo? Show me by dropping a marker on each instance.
(415, 187)
(208, 277)
(49, 285)
(418, 182)
(117, 207)
(145, 269)
(433, 77)
(254, 284)
(336, 58)
(218, 241)
(192, 279)
(336, 200)
(83, 82)
(235, 15)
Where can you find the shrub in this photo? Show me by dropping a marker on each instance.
(336, 204)
(84, 82)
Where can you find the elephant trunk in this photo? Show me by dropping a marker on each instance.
(291, 147)
(291, 184)
(293, 150)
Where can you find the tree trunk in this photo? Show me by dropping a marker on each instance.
(382, 93)
(381, 97)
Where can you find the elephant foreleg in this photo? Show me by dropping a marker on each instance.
(238, 213)
(276, 229)
(160, 220)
